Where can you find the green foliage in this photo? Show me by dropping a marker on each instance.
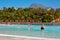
(47, 18)
(57, 13)
(30, 14)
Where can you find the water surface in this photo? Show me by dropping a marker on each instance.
(50, 31)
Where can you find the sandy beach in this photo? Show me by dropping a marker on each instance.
(14, 37)
(17, 38)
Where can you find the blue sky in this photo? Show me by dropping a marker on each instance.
(27, 3)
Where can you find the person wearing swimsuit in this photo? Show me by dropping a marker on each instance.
(42, 27)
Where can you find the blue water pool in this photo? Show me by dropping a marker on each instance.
(50, 31)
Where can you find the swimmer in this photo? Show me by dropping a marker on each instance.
(28, 26)
(42, 27)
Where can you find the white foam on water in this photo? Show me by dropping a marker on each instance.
(28, 37)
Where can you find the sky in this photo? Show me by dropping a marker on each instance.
(27, 3)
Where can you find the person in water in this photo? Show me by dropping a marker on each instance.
(42, 27)
(29, 26)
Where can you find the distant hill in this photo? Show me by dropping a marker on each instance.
(37, 6)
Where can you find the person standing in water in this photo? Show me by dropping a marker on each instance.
(29, 26)
(42, 27)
